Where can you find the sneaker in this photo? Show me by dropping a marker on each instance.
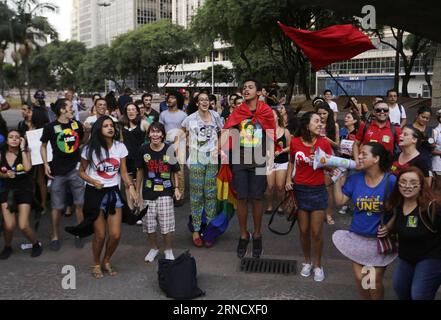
(6, 253)
(257, 247)
(169, 255)
(150, 257)
(242, 246)
(79, 244)
(343, 210)
(306, 270)
(55, 245)
(139, 223)
(319, 274)
(37, 250)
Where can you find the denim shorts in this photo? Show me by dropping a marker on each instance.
(247, 183)
(311, 198)
(106, 201)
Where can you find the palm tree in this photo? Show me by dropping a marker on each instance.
(30, 30)
(6, 15)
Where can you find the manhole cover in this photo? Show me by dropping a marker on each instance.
(286, 267)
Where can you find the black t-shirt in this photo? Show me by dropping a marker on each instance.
(153, 116)
(65, 139)
(22, 180)
(419, 161)
(415, 241)
(157, 172)
(252, 144)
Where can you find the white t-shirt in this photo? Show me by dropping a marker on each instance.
(2, 100)
(394, 114)
(107, 171)
(333, 106)
(92, 119)
(436, 160)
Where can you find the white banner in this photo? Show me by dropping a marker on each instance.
(34, 143)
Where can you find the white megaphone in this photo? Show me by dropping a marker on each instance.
(321, 159)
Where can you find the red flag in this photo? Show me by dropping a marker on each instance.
(329, 45)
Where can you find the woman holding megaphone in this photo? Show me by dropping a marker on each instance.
(368, 191)
(310, 190)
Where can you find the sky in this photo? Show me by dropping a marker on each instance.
(61, 21)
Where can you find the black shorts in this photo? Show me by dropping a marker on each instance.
(247, 183)
(20, 196)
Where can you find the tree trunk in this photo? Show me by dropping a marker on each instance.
(406, 79)
(290, 91)
(304, 81)
(397, 70)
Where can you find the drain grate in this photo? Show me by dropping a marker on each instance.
(286, 267)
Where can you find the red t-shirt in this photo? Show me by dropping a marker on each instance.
(376, 134)
(305, 174)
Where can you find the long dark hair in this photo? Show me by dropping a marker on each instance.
(425, 197)
(378, 150)
(357, 124)
(97, 141)
(303, 130)
(330, 123)
(39, 117)
(5, 146)
(125, 121)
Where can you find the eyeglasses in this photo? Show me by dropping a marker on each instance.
(379, 110)
(411, 185)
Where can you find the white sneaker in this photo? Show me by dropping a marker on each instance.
(169, 255)
(139, 222)
(306, 270)
(319, 274)
(150, 257)
(343, 210)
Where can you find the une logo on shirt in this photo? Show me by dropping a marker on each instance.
(107, 169)
(369, 204)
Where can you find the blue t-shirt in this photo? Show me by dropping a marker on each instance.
(368, 203)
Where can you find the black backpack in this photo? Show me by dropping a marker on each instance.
(177, 278)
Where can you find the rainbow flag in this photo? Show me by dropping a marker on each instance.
(226, 207)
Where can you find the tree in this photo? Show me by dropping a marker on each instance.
(29, 30)
(221, 75)
(6, 15)
(143, 51)
(97, 66)
(63, 60)
(415, 44)
(252, 25)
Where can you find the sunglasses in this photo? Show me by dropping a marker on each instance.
(379, 110)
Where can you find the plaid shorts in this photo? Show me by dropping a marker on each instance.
(161, 210)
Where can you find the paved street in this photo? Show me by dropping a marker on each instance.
(218, 268)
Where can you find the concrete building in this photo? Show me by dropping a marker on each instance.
(96, 22)
(183, 12)
(372, 73)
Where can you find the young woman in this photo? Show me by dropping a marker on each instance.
(347, 139)
(329, 131)
(410, 139)
(157, 177)
(15, 165)
(103, 163)
(203, 129)
(276, 178)
(421, 124)
(367, 191)
(133, 131)
(418, 226)
(359, 109)
(309, 189)
(436, 154)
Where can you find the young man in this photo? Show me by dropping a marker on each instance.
(378, 130)
(70, 94)
(327, 94)
(100, 106)
(172, 119)
(150, 114)
(157, 178)
(397, 113)
(65, 135)
(251, 123)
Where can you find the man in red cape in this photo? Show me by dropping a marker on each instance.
(255, 121)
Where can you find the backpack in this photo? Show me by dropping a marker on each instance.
(177, 278)
(393, 128)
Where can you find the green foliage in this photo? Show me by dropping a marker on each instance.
(221, 75)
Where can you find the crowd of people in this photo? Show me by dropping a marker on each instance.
(128, 155)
